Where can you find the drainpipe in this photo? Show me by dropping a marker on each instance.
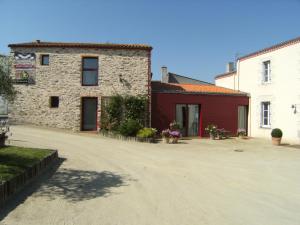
(238, 74)
(249, 116)
(149, 90)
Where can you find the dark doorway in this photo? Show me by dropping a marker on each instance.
(187, 115)
(89, 113)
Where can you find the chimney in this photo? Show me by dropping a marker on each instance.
(230, 67)
(164, 74)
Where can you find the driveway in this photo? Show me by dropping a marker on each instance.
(106, 181)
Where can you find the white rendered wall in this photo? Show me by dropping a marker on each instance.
(227, 81)
(283, 91)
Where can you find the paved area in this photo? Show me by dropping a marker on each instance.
(110, 182)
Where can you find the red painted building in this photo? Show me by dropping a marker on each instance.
(194, 106)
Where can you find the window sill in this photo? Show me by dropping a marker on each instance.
(266, 83)
(89, 85)
(265, 127)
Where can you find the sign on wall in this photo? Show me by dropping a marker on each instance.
(24, 67)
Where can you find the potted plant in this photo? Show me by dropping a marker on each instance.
(166, 136)
(241, 132)
(175, 135)
(146, 133)
(211, 129)
(276, 136)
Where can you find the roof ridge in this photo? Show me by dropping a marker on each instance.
(190, 78)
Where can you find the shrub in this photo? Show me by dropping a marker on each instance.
(146, 132)
(135, 108)
(130, 127)
(117, 109)
(113, 113)
(277, 133)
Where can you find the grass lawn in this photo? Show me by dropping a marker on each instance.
(15, 160)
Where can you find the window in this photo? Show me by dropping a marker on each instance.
(265, 114)
(267, 71)
(45, 60)
(54, 102)
(90, 71)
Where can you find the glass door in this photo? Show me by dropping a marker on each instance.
(193, 120)
(242, 117)
(187, 115)
(181, 112)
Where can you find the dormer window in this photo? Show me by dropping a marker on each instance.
(267, 71)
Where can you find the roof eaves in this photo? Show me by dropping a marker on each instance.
(81, 45)
(270, 49)
(200, 93)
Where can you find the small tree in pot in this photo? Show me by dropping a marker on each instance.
(276, 136)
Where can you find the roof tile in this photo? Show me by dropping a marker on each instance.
(158, 86)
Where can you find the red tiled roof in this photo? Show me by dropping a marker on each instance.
(272, 48)
(81, 45)
(159, 87)
(225, 75)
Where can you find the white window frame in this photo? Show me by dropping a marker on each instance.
(263, 117)
(266, 72)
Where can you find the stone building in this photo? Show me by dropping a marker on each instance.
(63, 84)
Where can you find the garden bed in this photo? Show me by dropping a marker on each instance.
(19, 165)
(121, 137)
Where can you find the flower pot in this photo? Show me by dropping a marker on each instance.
(212, 137)
(166, 140)
(276, 141)
(174, 140)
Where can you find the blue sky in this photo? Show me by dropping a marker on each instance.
(193, 38)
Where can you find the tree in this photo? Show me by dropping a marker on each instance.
(7, 89)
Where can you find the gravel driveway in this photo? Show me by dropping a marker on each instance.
(106, 181)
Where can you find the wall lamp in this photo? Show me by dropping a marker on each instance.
(294, 106)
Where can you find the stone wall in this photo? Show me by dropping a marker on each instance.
(63, 78)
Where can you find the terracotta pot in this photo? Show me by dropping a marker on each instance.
(276, 141)
(166, 140)
(174, 140)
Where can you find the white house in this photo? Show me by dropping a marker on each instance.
(272, 78)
